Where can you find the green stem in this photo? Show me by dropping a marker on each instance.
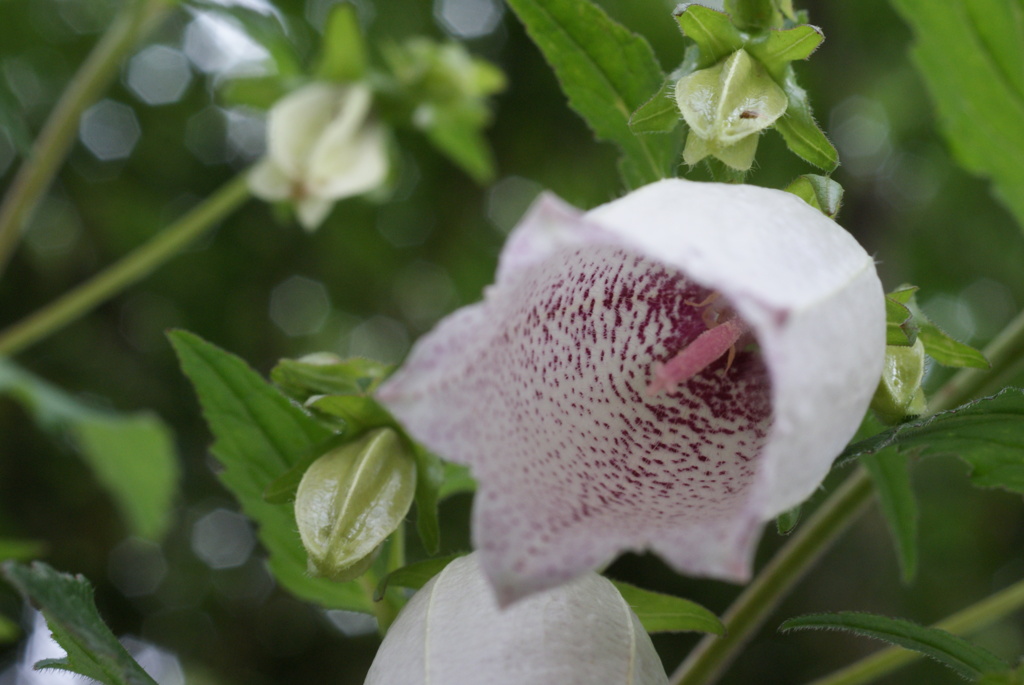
(57, 135)
(713, 655)
(133, 267)
(969, 620)
(755, 604)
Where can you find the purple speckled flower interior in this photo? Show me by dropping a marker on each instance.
(565, 392)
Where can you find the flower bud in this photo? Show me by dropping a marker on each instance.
(351, 499)
(453, 632)
(899, 393)
(726, 106)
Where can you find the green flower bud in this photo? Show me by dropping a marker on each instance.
(899, 393)
(726, 106)
(351, 499)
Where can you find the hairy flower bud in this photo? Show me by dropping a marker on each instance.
(351, 499)
(899, 393)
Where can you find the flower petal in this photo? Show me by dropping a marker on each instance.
(296, 123)
(453, 632)
(348, 163)
(268, 182)
(541, 388)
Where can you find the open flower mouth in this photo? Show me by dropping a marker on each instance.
(666, 372)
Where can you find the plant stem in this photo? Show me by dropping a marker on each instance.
(969, 620)
(755, 604)
(57, 135)
(712, 656)
(131, 268)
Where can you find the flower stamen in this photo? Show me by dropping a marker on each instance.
(706, 349)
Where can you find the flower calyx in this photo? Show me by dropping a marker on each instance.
(772, 47)
(726, 106)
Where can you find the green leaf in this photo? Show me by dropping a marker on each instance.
(971, 56)
(259, 92)
(787, 520)
(781, 47)
(798, 128)
(132, 455)
(988, 434)
(455, 131)
(890, 472)
(259, 435)
(660, 114)
(343, 51)
(899, 324)
(711, 30)
(820, 192)
(661, 613)
(947, 351)
(67, 603)
(457, 479)
(430, 474)
(413, 576)
(966, 659)
(607, 72)
(326, 374)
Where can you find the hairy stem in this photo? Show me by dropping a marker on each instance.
(132, 268)
(971, 619)
(57, 135)
(754, 605)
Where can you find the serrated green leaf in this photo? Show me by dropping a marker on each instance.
(711, 30)
(968, 660)
(820, 192)
(798, 128)
(343, 52)
(988, 434)
(890, 472)
(660, 114)
(947, 351)
(414, 576)
(971, 55)
(607, 72)
(259, 435)
(67, 603)
(132, 455)
(661, 613)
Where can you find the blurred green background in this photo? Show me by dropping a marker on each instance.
(378, 275)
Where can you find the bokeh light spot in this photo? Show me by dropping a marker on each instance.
(468, 18)
(299, 306)
(381, 338)
(159, 75)
(223, 539)
(136, 567)
(110, 130)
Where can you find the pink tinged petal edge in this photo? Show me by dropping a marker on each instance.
(453, 632)
(541, 387)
